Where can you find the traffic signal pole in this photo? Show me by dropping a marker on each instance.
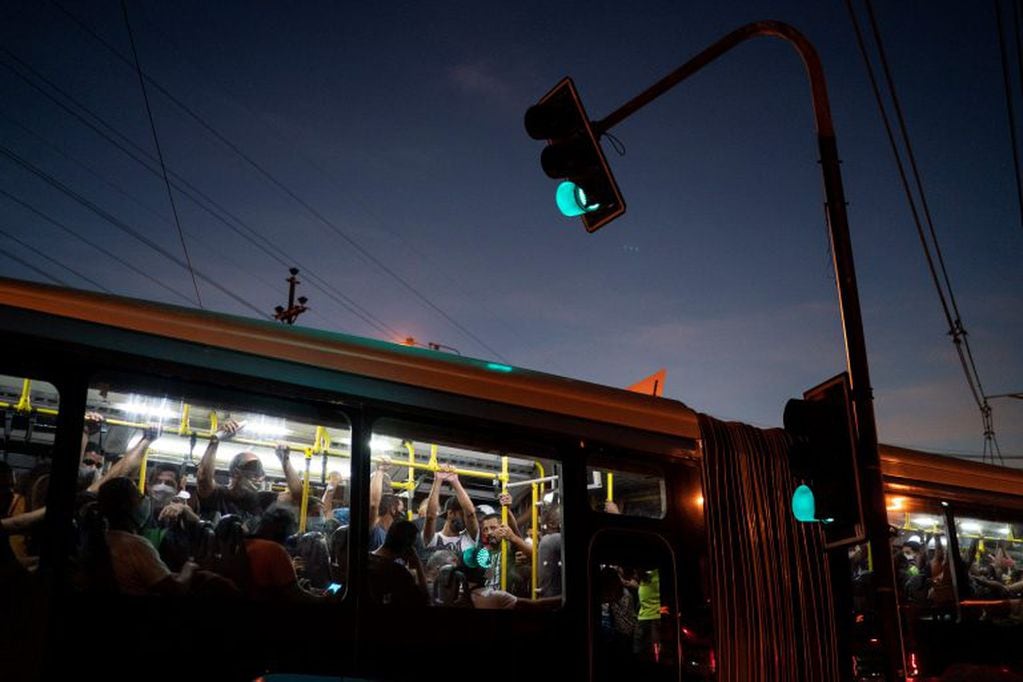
(875, 515)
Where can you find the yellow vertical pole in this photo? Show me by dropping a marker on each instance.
(25, 401)
(304, 514)
(433, 458)
(411, 477)
(870, 559)
(534, 534)
(183, 426)
(213, 422)
(504, 521)
(142, 471)
(543, 474)
(610, 487)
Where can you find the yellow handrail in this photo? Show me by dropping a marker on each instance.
(304, 514)
(40, 410)
(184, 423)
(25, 401)
(504, 522)
(610, 487)
(411, 484)
(534, 533)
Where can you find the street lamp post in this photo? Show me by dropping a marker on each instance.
(875, 516)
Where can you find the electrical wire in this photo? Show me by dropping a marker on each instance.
(159, 154)
(123, 227)
(38, 271)
(272, 179)
(192, 192)
(56, 262)
(948, 303)
(1006, 81)
(56, 223)
(260, 241)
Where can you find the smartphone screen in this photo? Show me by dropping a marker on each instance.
(333, 588)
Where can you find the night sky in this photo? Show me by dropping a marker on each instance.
(398, 127)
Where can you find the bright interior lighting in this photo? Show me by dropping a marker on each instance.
(169, 445)
(925, 521)
(1004, 531)
(896, 503)
(383, 444)
(970, 526)
(268, 428)
(147, 410)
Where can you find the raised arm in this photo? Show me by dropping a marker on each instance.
(333, 480)
(132, 460)
(432, 507)
(506, 499)
(205, 476)
(472, 526)
(376, 491)
(294, 481)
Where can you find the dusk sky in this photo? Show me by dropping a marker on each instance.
(400, 126)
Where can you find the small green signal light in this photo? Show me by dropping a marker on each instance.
(803, 506)
(498, 367)
(571, 200)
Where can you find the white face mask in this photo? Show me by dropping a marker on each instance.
(161, 494)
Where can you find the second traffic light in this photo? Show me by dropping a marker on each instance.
(588, 189)
(822, 457)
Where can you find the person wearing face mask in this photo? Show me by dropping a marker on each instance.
(171, 526)
(136, 565)
(461, 529)
(493, 532)
(390, 509)
(243, 495)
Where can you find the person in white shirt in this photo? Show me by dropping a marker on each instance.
(461, 529)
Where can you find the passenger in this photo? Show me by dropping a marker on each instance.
(339, 555)
(618, 616)
(244, 495)
(272, 574)
(435, 564)
(549, 554)
(648, 632)
(312, 563)
(390, 582)
(460, 530)
(493, 532)
(172, 525)
(137, 567)
(337, 499)
(484, 597)
(390, 510)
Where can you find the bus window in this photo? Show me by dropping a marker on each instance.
(630, 493)
(462, 525)
(923, 567)
(29, 410)
(204, 496)
(992, 552)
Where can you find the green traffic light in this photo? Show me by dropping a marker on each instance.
(571, 200)
(803, 506)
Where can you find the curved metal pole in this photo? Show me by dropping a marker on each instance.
(875, 516)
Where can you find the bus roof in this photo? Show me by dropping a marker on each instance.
(471, 377)
(943, 471)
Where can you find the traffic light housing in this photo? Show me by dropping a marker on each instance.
(822, 458)
(573, 154)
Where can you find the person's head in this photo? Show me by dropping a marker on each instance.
(163, 484)
(246, 472)
(552, 518)
(120, 501)
(90, 466)
(437, 561)
(392, 506)
(401, 537)
(277, 525)
(610, 584)
(488, 529)
(911, 549)
(454, 517)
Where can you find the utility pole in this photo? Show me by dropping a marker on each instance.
(869, 464)
(290, 314)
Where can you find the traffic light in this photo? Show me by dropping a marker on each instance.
(573, 154)
(822, 457)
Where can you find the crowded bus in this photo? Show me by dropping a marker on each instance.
(190, 494)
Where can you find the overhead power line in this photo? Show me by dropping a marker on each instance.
(123, 227)
(183, 186)
(50, 259)
(272, 179)
(24, 263)
(159, 153)
(1007, 83)
(946, 295)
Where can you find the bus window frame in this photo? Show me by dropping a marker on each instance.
(627, 461)
(490, 437)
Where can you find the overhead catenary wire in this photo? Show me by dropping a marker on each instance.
(159, 153)
(123, 227)
(294, 196)
(51, 259)
(91, 243)
(189, 190)
(946, 295)
(1006, 81)
(42, 273)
